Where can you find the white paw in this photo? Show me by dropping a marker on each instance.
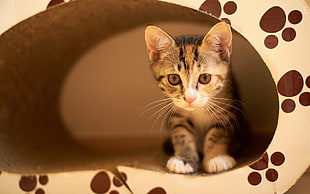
(219, 164)
(177, 165)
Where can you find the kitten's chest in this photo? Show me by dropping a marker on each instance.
(202, 122)
(201, 119)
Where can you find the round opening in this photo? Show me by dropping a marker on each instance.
(107, 97)
(86, 75)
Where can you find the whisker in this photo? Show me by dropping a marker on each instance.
(227, 115)
(153, 112)
(153, 105)
(167, 116)
(225, 111)
(230, 105)
(159, 114)
(156, 101)
(214, 116)
(208, 108)
(162, 109)
(230, 100)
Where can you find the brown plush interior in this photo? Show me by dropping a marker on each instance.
(41, 94)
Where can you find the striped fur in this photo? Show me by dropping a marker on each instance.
(195, 73)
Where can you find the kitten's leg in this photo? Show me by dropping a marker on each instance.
(185, 159)
(216, 158)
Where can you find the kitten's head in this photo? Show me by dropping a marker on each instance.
(191, 70)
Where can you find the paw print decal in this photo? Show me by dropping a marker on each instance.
(29, 183)
(271, 174)
(214, 8)
(157, 190)
(53, 3)
(274, 20)
(290, 85)
(101, 182)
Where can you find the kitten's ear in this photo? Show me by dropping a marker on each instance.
(219, 39)
(157, 42)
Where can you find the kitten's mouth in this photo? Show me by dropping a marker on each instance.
(190, 107)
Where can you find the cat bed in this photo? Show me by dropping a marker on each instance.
(76, 94)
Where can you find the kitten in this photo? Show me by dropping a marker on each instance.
(195, 72)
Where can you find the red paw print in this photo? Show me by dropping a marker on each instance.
(274, 20)
(53, 3)
(101, 183)
(290, 85)
(29, 183)
(255, 177)
(214, 8)
(157, 190)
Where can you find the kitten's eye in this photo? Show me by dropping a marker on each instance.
(204, 78)
(174, 79)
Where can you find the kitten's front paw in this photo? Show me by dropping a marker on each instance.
(177, 165)
(219, 164)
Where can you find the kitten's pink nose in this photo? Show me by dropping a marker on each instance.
(189, 95)
(190, 100)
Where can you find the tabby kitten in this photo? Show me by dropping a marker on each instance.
(195, 72)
